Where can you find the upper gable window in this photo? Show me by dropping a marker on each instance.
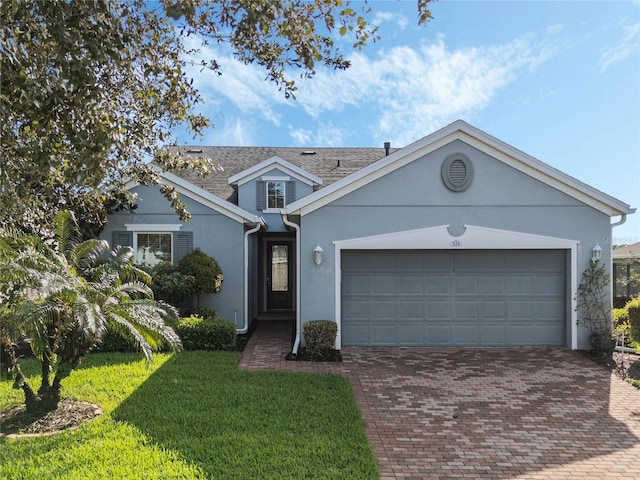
(276, 193)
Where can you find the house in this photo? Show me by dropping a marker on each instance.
(626, 267)
(455, 240)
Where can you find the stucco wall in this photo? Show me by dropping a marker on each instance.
(414, 197)
(215, 234)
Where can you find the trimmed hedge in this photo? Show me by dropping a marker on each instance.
(319, 337)
(199, 333)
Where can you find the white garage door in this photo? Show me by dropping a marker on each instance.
(447, 298)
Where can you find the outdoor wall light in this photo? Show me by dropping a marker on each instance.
(596, 253)
(317, 255)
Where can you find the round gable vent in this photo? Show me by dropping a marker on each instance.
(457, 172)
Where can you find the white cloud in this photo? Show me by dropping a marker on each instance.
(412, 91)
(322, 135)
(403, 92)
(399, 20)
(628, 46)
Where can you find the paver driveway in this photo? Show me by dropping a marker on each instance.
(483, 413)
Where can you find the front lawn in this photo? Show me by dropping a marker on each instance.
(196, 416)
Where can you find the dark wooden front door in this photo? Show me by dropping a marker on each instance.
(279, 275)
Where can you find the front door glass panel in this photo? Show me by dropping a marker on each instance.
(279, 268)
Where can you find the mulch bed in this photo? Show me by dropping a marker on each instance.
(69, 414)
(624, 365)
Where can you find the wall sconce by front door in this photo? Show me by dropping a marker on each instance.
(596, 253)
(317, 255)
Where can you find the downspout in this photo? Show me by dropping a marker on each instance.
(245, 326)
(623, 218)
(287, 222)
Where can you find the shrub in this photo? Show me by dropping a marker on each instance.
(171, 285)
(633, 314)
(320, 336)
(197, 333)
(204, 312)
(594, 307)
(205, 269)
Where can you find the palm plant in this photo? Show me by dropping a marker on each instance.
(62, 298)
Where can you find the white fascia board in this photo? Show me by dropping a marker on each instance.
(270, 163)
(209, 200)
(369, 173)
(543, 172)
(201, 196)
(460, 130)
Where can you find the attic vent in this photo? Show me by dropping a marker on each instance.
(308, 152)
(194, 150)
(457, 172)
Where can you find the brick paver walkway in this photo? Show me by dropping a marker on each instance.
(542, 413)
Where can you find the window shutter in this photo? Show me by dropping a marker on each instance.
(290, 192)
(122, 238)
(261, 195)
(183, 244)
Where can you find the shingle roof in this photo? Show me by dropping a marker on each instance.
(330, 164)
(627, 251)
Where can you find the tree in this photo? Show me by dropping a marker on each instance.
(91, 90)
(62, 297)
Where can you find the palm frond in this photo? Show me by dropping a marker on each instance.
(66, 231)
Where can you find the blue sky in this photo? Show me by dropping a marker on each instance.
(559, 80)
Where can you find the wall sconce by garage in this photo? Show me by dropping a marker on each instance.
(596, 253)
(317, 255)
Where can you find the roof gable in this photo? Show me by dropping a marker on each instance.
(269, 164)
(460, 130)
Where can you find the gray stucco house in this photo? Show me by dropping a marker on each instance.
(455, 240)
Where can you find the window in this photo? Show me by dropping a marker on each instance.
(155, 243)
(152, 248)
(275, 194)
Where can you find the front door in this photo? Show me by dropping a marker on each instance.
(279, 275)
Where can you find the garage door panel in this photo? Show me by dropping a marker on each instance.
(465, 309)
(383, 285)
(490, 309)
(493, 285)
(383, 335)
(356, 334)
(465, 285)
(437, 284)
(466, 334)
(410, 309)
(409, 285)
(438, 310)
(466, 298)
(439, 334)
(548, 284)
(356, 309)
(493, 335)
(384, 310)
(356, 284)
(410, 334)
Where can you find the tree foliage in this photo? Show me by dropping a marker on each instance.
(91, 90)
(62, 297)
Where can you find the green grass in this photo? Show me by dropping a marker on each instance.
(196, 416)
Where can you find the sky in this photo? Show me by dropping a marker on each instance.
(558, 80)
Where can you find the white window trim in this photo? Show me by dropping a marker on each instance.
(152, 227)
(144, 230)
(269, 178)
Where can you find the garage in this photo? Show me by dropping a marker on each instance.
(454, 297)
